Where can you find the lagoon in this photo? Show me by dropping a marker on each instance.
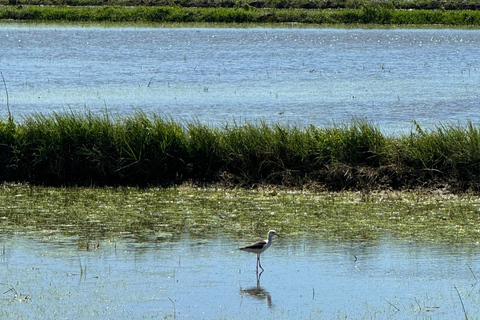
(218, 75)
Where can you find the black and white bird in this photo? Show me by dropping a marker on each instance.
(260, 246)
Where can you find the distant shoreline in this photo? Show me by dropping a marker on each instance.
(245, 14)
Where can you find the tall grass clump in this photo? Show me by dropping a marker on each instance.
(276, 153)
(262, 152)
(59, 146)
(449, 151)
(248, 150)
(204, 152)
(150, 149)
(90, 149)
(359, 143)
(8, 152)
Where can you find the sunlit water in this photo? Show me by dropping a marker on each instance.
(51, 277)
(305, 76)
(308, 76)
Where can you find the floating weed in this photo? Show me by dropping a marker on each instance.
(97, 213)
(16, 295)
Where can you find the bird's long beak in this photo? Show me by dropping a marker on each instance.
(277, 235)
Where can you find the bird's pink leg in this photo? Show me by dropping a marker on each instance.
(258, 260)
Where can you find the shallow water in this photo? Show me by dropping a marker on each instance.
(50, 276)
(308, 76)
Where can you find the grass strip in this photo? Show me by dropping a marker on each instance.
(370, 14)
(90, 149)
(273, 4)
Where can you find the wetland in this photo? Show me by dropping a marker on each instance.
(123, 252)
(316, 12)
(172, 253)
(278, 109)
(305, 76)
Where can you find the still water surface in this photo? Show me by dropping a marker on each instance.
(189, 278)
(306, 76)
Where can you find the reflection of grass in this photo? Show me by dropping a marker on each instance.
(151, 214)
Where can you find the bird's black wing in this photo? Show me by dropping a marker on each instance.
(256, 245)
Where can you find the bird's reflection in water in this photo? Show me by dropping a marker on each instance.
(257, 292)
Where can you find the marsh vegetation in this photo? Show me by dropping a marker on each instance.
(279, 4)
(96, 214)
(110, 216)
(90, 149)
(450, 13)
(81, 251)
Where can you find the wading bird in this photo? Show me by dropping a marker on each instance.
(260, 246)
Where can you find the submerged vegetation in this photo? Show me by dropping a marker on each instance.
(90, 149)
(166, 214)
(435, 12)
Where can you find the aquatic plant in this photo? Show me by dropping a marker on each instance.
(94, 214)
(91, 149)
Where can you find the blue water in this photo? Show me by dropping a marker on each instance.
(305, 76)
(48, 276)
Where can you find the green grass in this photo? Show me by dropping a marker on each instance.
(277, 4)
(366, 14)
(91, 149)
